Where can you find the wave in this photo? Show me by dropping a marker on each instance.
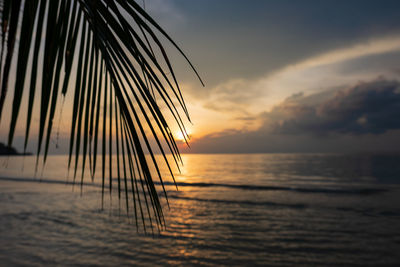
(358, 191)
(338, 191)
(361, 211)
(242, 202)
(47, 181)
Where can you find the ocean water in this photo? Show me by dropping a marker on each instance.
(236, 210)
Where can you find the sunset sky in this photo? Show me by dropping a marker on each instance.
(285, 76)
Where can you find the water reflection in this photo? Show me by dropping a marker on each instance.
(265, 209)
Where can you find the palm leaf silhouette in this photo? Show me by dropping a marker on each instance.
(110, 55)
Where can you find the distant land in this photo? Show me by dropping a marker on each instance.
(8, 150)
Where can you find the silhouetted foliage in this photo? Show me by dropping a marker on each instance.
(109, 54)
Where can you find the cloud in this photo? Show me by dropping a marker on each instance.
(362, 117)
(372, 107)
(263, 142)
(266, 36)
(235, 96)
(232, 103)
(335, 68)
(371, 47)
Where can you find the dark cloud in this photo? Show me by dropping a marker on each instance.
(265, 142)
(372, 107)
(361, 118)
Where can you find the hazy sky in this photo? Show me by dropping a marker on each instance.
(286, 76)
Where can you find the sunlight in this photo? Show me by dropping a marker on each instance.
(179, 136)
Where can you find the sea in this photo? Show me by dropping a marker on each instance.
(227, 210)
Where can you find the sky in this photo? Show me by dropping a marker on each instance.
(288, 76)
(283, 76)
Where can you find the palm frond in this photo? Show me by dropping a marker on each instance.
(109, 53)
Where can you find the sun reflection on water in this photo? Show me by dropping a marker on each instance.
(228, 209)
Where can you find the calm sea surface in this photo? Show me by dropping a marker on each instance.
(238, 210)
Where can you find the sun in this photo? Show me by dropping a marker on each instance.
(179, 135)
